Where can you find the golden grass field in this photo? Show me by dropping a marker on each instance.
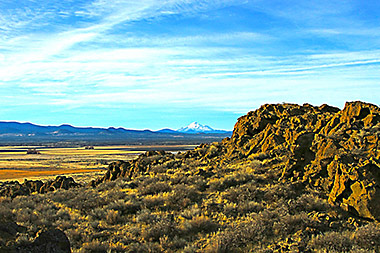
(15, 164)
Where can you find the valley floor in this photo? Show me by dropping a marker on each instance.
(78, 162)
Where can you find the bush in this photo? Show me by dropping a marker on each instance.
(200, 224)
(289, 224)
(368, 237)
(124, 207)
(153, 188)
(6, 213)
(182, 196)
(309, 202)
(94, 247)
(230, 181)
(332, 241)
(163, 227)
(113, 217)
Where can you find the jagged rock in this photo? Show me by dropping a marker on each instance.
(336, 151)
(141, 165)
(14, 188)
(60, 182)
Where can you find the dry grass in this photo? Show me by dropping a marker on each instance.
(15, 164)
(237, 209)
(17, 174)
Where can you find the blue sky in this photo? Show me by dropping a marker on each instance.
(156, 64)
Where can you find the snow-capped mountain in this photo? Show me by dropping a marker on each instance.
(195, 127)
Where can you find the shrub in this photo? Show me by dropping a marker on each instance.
(118, 247)
(63, 215)
(229, 181)
(94, 246)
(154, 202)
(191, 212)
(368, 237)
(97, 214)
(243, 193)
(182, 196)
(249, 207)
(233, 238)
(164, 226)
(309, 202)
(6, 213)
(154, 188)
(23, 240)
(113, 217)
(124, 207)
(145, 216)
(332, 241)
(199, 224)
(289, 224)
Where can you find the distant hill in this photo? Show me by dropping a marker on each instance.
(24, 133)
(166, 130)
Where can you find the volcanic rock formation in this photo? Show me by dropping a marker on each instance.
(14, 188)
(334, 151)
(131, 168)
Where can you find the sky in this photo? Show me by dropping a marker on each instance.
(153, 64)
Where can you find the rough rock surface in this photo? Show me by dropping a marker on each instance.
(140, 165)
(14, 188)
(335, 151)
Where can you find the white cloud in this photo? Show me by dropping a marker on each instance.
(370, 32)
(88, 65)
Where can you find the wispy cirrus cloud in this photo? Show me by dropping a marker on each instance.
(221, 56)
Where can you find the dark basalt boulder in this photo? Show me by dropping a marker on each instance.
(50, 241)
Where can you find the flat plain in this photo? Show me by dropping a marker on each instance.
(78, 162)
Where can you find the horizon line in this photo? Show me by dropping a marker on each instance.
(101, 127)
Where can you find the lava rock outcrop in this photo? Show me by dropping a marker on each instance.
(14, 188)
(131, 168)
(335, 151)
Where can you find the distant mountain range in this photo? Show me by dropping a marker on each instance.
(16, 132)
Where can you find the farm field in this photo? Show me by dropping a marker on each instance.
(79, 162)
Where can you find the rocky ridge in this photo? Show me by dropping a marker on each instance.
(336, 151)
(333, 151)
(14, 188)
